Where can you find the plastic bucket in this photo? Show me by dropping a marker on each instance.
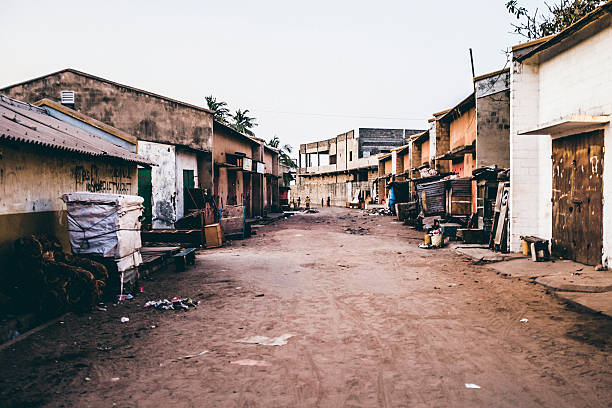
(427, 239)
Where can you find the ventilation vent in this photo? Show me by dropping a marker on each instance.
(67, 97)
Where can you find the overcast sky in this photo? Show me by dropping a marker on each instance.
(307, 71)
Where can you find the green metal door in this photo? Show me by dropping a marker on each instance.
(188, 183)
(145, 190)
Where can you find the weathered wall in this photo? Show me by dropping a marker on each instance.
(493, 130)
(463, 129)
(425, 152)
(376, 141)
(337, 187)
(226, 142)
(144, 116)
(32, 181)
(163, 182)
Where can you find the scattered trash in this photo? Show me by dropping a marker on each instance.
(474, 386)
(238, 287)
(524, 320)
(173, 304)
(115, 379)
(125, 319)
(101, 307)
(379, 211)
(260, 295)
(357, 231)
(121, 298)
(298, 235)
(104, 348)
(267, 341)
(87, 379)
(258, 363)
(195, 355)
(141, 289)
(154, 326)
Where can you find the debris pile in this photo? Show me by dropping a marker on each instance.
(51, 281)
(379, 211)
(357, 231)
(434, 239)
(173, 304)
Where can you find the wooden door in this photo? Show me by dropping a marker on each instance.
(577, 197)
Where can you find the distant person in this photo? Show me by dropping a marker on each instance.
(322, 202)
(328, 200)
(299, 202)
(307, 201)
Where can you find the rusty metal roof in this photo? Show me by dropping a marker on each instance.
(24, 123)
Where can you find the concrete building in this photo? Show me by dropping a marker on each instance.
(560, 104)
(239, 170)
(174, 135)
(271, 179)
(345, 166)
(42, 158)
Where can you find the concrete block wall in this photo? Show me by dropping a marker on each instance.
(529, 193)
(493, 130)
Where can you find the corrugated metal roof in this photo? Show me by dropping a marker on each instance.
(25, 123)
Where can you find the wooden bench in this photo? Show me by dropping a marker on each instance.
(185, 257)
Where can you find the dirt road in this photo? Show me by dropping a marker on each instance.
(375, 320)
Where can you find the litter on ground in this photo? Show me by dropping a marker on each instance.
(470, 385)
(125, 319)
(267, 341)
(195, 355)
(524, 320)
(173, 304)
(258, 363)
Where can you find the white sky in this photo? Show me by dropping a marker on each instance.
(306, 70)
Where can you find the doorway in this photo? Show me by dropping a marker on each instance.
(577, 203)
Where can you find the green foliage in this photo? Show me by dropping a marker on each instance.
(243, 123)
(558, 16)
(284, 152)
(220, 108)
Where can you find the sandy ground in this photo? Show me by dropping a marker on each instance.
(375, 320)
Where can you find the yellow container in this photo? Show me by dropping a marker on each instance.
(427, 239)
(525, 247)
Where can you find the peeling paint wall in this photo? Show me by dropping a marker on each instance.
(32, 181)
(163, 181)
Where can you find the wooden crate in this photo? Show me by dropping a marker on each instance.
(213, 236)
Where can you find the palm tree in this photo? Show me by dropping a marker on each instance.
(220, 108)
(284, 152)
(243, 123)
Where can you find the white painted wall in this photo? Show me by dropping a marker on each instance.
(185, 160)
(163, 180)
(577, 81)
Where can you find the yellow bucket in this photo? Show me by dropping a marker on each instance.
(427, 239)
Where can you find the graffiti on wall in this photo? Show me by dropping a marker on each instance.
(113, 180)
